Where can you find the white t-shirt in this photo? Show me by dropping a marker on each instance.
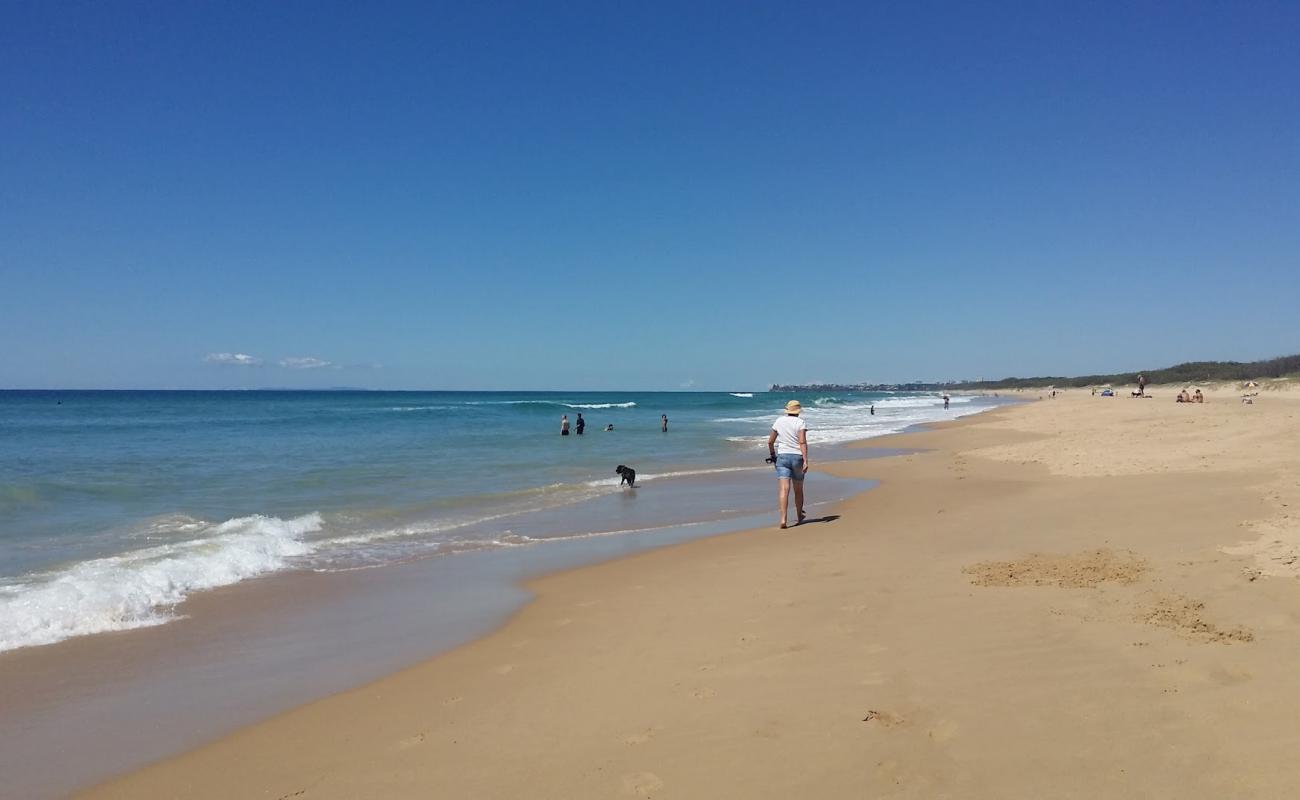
(787, 429)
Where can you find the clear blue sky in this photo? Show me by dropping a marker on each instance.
(641, 195)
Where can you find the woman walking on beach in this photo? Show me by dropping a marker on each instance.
(787, 445)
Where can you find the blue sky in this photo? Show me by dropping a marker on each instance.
(651, 195)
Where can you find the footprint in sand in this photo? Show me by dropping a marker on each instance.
(639, 738)
(453, 700)
(504, 669)
(563, 622)
(887, 770)
(410, 741)
(642, 784)
(1230, 676)
(768, 730)
(945, 730)
(703, 693)
(885, 719)
(707, 667)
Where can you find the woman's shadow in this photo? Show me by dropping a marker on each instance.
(827, 518)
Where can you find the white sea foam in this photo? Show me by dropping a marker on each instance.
(560, 403)
(833, 420)
(421, 408)
(912, 402)
(600, 405)
(742, 394)
(419, 530)
(141, 588)
(645, 477)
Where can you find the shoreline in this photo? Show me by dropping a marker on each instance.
(524, 590)
(1008, 614)
(141, 558)
(276, 622)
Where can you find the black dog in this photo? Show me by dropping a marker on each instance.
(629, 475)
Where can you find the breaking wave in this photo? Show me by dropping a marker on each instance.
(559, 403)
(139, 588)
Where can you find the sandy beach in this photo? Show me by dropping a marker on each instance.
(1075, 597)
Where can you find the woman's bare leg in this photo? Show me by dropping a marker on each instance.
(798, 500)
(784, 497)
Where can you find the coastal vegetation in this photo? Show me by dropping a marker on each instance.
(1188, 372)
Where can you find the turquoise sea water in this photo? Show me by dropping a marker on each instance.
(116, 506)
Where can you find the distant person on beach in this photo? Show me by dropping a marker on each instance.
(787, 446)
(1198, 397)
(873, 409)
(580, 424)
(945, 401)
(1142, 385)
(564, 425)
(663, 422)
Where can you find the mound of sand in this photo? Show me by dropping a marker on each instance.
(1075, 571)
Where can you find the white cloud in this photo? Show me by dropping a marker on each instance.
(235, 359)
(305, 362)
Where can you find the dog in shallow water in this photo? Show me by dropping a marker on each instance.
(629, 475)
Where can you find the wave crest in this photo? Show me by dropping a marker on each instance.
(139, 588)
(628, 404)
(560, 403)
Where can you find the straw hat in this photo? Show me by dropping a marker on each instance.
(793, 408)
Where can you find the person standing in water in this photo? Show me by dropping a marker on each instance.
(564, 425)
(663, 422)
(873, 409)
(787, 444)
(580, 424)
(945, 400)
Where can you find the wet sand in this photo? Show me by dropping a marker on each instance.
(1075, 597)
(91, 707)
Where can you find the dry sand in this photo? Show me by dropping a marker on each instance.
(1077, 597)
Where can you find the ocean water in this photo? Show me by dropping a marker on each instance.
(116, 506)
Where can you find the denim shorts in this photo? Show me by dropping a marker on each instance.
(789, 465)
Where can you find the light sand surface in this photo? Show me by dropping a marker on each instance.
(1072, 598)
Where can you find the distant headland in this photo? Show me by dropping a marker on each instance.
(1188, 372)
